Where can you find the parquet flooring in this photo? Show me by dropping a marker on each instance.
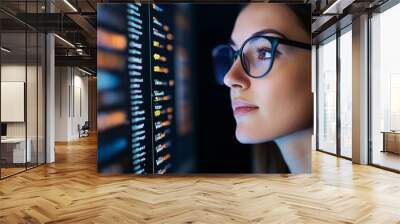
(70, 191)
(10, 171)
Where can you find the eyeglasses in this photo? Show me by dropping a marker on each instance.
(257, 55)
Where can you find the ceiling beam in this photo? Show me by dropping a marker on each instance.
(83, 61)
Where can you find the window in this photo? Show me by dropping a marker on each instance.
(327, 96)
(385, 89)
(346, 92)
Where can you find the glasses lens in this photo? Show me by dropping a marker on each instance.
(257, 56)
(223, 58)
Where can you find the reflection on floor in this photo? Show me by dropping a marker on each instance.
(387, 159)
(346, 152)
(11, 169)
(71, 191)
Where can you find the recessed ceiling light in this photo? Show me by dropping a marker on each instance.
(70, 5)
(338, 6)
(64, 40)
(5, 50)
(84, 71)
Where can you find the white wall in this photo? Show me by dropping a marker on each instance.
(71, 94)
(61, 103)
(33, 126)
(12, 73)
(80, 110)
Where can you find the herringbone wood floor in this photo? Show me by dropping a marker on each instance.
(70, 191)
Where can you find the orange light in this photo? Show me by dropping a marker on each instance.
(170, 47)
(170, 36)
(110, 61)
(110, 120)
(111, 40)
(166, 28)
(160, 69)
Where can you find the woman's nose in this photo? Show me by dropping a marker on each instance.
(236, 77)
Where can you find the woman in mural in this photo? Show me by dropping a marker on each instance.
(267, 66)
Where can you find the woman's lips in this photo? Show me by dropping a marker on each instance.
(241, 107)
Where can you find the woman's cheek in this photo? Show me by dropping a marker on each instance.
(283, 103)
(277, 94)
(259, 127)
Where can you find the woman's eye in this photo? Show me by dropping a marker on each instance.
(264, 54)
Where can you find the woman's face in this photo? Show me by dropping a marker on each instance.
(280, 102)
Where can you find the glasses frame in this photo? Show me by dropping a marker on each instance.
(275, 41)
